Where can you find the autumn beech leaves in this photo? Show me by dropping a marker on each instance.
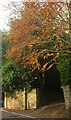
(37, 33)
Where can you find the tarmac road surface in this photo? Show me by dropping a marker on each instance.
(52, 112)
(7, 115)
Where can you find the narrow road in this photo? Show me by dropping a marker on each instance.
(4, 114)
(58, 112)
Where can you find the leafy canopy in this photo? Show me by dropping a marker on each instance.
(39, 33)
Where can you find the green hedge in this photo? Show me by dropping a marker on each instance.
(63, 66)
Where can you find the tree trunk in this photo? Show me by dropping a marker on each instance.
(37, 98)
(41, 94)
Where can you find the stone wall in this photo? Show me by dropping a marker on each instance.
(70, 97)
(67, 96)
(31, 99)
(17, 100)
(14, 101)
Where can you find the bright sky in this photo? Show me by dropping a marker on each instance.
(5, 13)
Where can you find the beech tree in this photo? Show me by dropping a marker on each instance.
(37, 36)
(39, 30)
